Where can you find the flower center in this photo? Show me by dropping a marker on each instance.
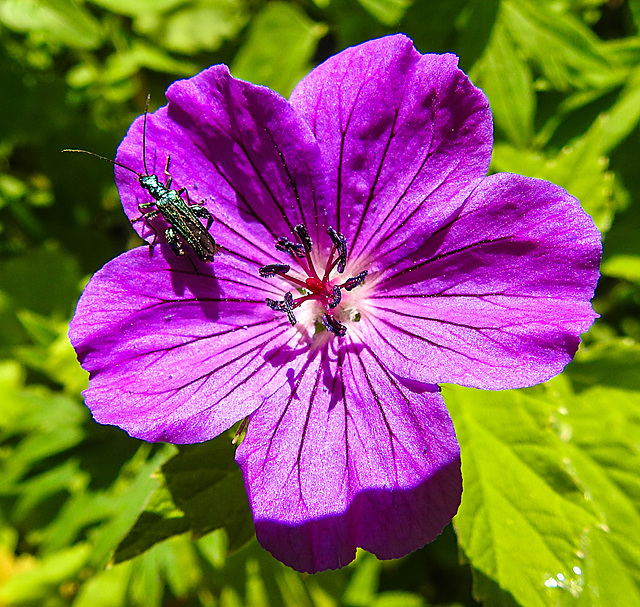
(318, 286)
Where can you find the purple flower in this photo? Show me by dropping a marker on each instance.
(365, 258)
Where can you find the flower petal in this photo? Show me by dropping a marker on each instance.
(346, 456)
(177, 352)
(496, 298)
(240, 147)
(404, 138)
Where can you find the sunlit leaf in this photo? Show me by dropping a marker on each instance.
(564, 49)
(523, 516)
(602, 450)
(203, 26)
(580, 168)
(57, 21)
(506, 79)
(46, 577)
(623, 266)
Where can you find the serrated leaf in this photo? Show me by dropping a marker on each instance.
(522, 517)
(603, 450)
(281, 42)
(203, 491)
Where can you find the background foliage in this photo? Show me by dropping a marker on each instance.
(551, 506)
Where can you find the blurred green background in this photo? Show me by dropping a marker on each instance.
(551, 506)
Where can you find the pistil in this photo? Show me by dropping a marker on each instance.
(313, 287)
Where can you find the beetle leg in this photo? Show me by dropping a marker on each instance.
(173, 241)
(203, 213)
(166, 172)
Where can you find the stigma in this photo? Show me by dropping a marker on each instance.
(319, 286)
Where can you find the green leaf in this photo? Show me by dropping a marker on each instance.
(634, 7)
(203, 491)
(603, 452)
(622, 266)
(134, 489)
(523, 516)
(614, 125)
(206, 483)
(59, 21)
(136, 8)
(106, 589)
(203, 26)
(281, 42)
(48, 574)
(613, 364)
(45, 269)
(389, 12)
(579, 168)
(564, 49)
(507, 81)
(160, 520)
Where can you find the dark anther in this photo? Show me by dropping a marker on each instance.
(356, 281)
(293, 248)
(288, 301)
(269, 271)
(283, 306)
(303, 235)
(340, 243)
(278, 306)
(332, 325)
(337, 296)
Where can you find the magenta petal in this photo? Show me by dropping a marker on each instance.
(345, 456)
(176, 355)
(404, 138)
(239, 148)
(498, 297)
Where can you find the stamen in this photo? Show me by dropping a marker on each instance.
(293, 248)
(270, 270)
(337, 297)
(304, 237)
(355, 281)
(276, 306)
(323, 292)
(283, 306)
(332, 325)
(340, 242)
(288, 300)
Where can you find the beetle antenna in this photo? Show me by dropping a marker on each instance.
(105, 159)
(144, 136)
